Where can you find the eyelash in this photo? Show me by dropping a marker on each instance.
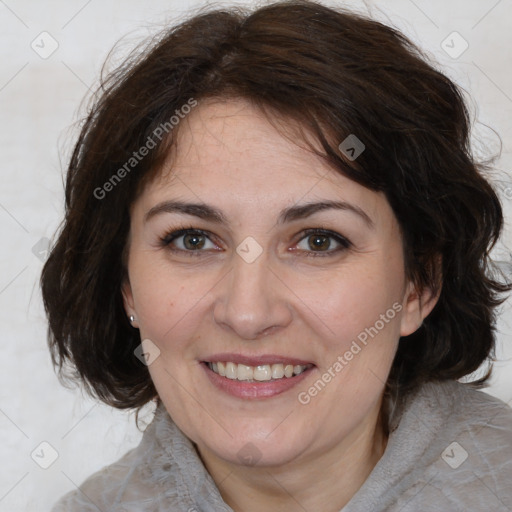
(182, 231)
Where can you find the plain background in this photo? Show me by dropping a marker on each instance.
(40, 99)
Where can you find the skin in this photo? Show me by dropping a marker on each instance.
(314, 456)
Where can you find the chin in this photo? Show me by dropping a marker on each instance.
(258, 446)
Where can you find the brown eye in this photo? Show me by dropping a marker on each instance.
(320, 242)
(192, 242)
(188, 241)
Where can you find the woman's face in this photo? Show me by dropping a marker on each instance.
(249, 287)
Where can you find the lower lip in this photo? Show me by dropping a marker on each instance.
(254, 390)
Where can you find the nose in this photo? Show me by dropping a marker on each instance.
(252, 301)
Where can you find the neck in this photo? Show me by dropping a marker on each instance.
(325, 480)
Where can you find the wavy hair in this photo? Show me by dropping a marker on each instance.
(332, 73)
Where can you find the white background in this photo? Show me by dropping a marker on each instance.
(39, 102)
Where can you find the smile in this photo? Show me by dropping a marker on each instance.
(261, 381)
(260, 373)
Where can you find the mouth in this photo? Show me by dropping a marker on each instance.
(251, 381)
(259, 373)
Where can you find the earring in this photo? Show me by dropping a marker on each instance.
(132, 318)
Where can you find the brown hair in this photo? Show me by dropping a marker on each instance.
(334, 73)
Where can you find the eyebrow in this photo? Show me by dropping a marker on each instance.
(292, 213)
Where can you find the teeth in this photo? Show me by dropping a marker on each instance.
(277, 371)
(231, 370)
(259, 373)
(263, 372)
(244, 372)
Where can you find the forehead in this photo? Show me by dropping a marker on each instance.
(229, 151)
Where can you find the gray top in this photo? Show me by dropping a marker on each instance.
(449, 450)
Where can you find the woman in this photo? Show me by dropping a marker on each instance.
(275, 230)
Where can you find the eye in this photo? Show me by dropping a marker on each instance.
(319, 242)
(188, 240)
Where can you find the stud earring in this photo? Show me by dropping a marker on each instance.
(132, 318)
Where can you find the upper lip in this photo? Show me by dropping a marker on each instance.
(255, 360)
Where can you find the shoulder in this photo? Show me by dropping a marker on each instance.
(482, 420)
(162, 473)
(449, 448)
(468, 459)
(126, 480)
(100, 490)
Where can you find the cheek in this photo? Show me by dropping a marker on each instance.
(362, 311)
(163, 297)
(354, 298)
(363, 320)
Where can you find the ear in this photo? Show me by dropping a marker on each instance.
(129, 306)
(417, 306)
